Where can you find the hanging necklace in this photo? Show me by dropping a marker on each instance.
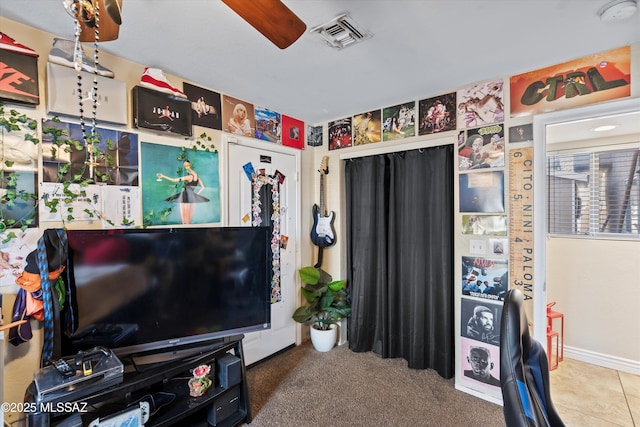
(89, 11)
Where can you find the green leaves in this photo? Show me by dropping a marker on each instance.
(327, 299)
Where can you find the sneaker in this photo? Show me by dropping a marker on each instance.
(7, 43)
(154, 78)
(62, 53)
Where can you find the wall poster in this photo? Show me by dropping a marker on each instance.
(178, 189)
(480, 104)
(486, 278)
(594, 78)
(482, 192)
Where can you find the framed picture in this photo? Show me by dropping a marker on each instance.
(340, 133)
(399, 121)
(481, 104)
(206, 106)
(437, 114)
(268, 125)
(521, 133)
(161, 112)
(292, 132)
(314, 136)
(238, 116)
(367, 127)
(482, 192)
(483, 148)
(24, 90)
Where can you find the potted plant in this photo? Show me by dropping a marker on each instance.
(327, 304)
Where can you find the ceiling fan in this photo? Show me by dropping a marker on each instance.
(272, 18)
(101, 16)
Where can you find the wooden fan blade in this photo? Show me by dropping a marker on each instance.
(109, 22)
(272, 18)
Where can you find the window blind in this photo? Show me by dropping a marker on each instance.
(595, 193)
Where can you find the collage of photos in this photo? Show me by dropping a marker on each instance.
(213, 110)
(117, 166)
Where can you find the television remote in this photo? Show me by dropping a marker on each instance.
(64, 368)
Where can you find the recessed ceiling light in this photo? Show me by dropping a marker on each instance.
(604, 128)
(617, 10)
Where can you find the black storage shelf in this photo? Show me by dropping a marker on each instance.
(172, 377)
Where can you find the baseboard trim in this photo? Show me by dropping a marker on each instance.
(479, 394)
(604, 360)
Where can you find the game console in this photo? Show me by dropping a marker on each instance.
(72, 379)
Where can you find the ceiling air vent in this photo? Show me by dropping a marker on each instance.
(341, 32)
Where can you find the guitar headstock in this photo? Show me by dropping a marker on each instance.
(324, 166)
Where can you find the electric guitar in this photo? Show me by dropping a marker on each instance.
(323, 234)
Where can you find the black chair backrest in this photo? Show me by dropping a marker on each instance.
(524, 370)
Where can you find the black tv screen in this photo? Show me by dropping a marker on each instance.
(142, 290)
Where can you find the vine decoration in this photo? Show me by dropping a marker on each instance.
(14, 121)
(98, 158)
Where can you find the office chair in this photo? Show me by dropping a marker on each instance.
(524, 370)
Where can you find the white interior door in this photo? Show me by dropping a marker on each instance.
(258, 345)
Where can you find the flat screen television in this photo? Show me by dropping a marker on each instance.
(139, 291)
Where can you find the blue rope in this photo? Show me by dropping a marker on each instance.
(47, 294)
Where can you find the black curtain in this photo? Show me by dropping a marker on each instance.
(400, 256)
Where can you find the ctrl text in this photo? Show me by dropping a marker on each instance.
(45, 407)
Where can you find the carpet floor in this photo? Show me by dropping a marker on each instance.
(306, 388)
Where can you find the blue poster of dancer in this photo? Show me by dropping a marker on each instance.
(179, 186)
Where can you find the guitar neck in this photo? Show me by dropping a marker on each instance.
(322, 210)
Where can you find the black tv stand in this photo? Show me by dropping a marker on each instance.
(225, 404)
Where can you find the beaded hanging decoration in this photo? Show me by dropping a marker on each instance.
(89, 11)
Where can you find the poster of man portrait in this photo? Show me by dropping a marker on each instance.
(485, 278)
(437, 114)
(481, 363)
(480, 321)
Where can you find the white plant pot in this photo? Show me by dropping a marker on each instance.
(324, 340)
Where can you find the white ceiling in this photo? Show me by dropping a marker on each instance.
(419, 48)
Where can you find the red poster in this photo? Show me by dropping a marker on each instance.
(594, 78)
(292, 132)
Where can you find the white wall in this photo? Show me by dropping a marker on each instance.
(595, 284)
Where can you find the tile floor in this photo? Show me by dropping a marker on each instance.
(590, 395)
